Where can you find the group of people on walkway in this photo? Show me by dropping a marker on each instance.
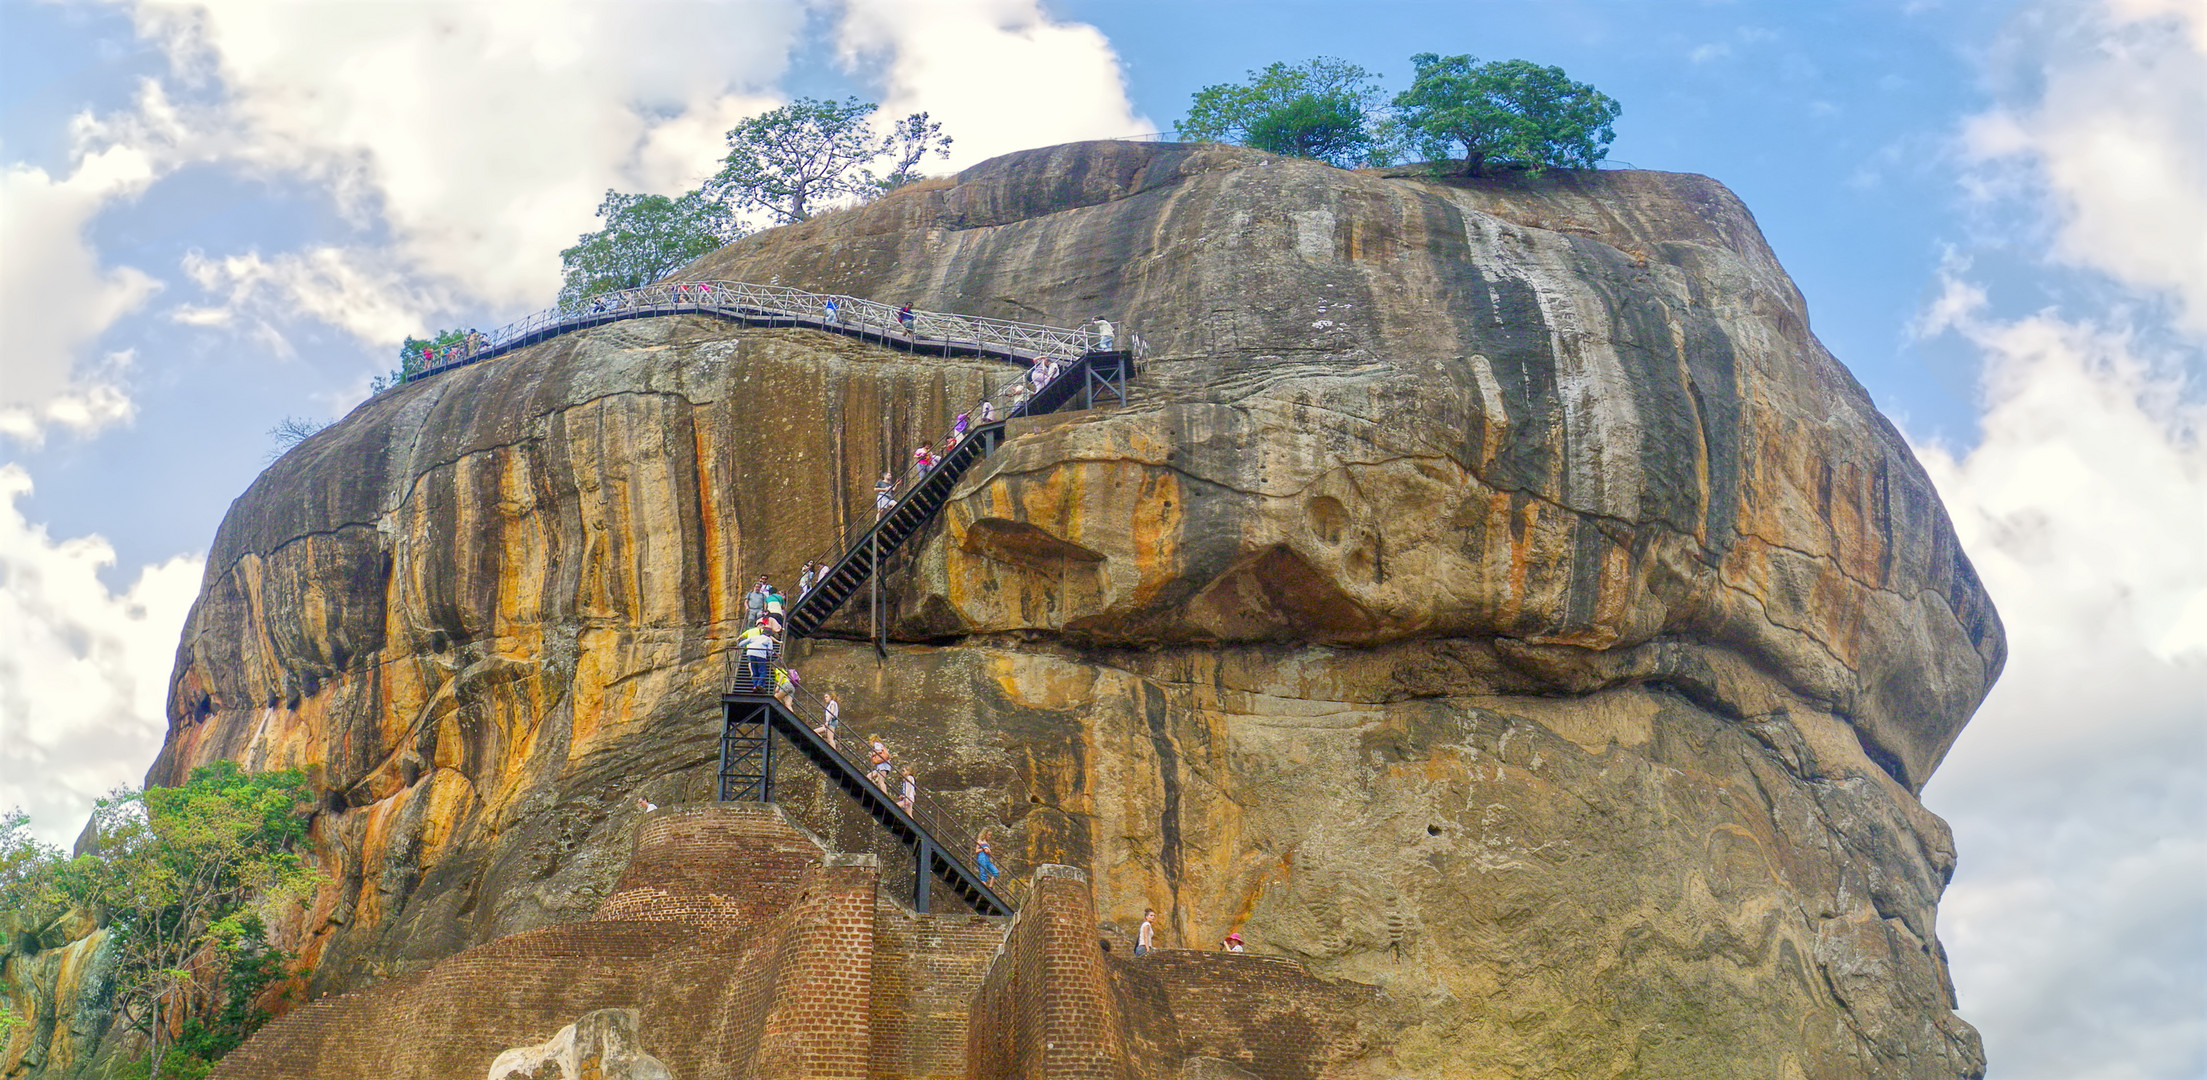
(430, 356)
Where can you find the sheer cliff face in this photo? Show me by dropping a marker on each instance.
(1492, 592)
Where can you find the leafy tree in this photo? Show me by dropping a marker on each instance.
(1322, 108)
(912, 139)
(645, 238)
(28, 890)
(1510, 112)
(1328, 129)
(177, 873)
(790, 162)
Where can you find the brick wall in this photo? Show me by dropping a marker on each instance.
(1045, 1009)
(927, 969)
(1054, 1005)
(749, 952)
(731, 864)
(1267, 1016)
(742, 960)
(818, 1022)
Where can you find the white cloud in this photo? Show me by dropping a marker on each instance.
(2077, 918)
(56, 298)
(2111, 135)
(1000, 75)
(480, 136)
(83, 670)
(358, 290)
(2076, 794)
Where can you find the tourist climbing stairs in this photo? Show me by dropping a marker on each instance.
(924, 491)
(768, 716)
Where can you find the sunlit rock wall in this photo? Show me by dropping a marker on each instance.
(1493, 594)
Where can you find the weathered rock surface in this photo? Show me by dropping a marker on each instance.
(1493, 594)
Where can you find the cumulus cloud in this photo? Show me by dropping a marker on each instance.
(2113, 100)
(1000, 75)
(56, 297)
(360, 290)
(83, 669)
(478, 137)
(2078, 793)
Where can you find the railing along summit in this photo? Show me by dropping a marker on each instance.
(773, 305)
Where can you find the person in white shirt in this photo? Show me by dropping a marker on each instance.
(1145, 938)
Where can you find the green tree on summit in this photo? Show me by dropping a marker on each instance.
(791, 162)
(1509, 112)
(646, 237)
(1323, 108)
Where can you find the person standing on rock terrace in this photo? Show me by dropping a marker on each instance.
(1233, 942)
(885, 493)
(758, 654)
(1145, 938)
(909, 794)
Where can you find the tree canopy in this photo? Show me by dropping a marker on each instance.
(178, 877)
(645, 238)
(1507, 112)
(790, 162)
(1322, 108)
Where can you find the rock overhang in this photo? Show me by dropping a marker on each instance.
(1580, 410)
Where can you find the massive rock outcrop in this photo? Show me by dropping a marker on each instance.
(1493, 595)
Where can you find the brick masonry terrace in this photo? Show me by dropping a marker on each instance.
(737, 946)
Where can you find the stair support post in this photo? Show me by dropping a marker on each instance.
(923, 872)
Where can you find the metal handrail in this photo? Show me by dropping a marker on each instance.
(947, 330)
(1008, 400)
(939, 820)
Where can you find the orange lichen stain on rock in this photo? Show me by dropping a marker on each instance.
(711, 536)
(523, 549)
(1520, 527)
(1027, 683)
(451, 798)
(1154, 531)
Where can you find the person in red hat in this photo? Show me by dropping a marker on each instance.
(1233, 942)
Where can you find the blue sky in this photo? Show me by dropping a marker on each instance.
(214, 215)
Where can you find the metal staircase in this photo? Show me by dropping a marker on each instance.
(754, 722)
(1081, 380)
(757, 728)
